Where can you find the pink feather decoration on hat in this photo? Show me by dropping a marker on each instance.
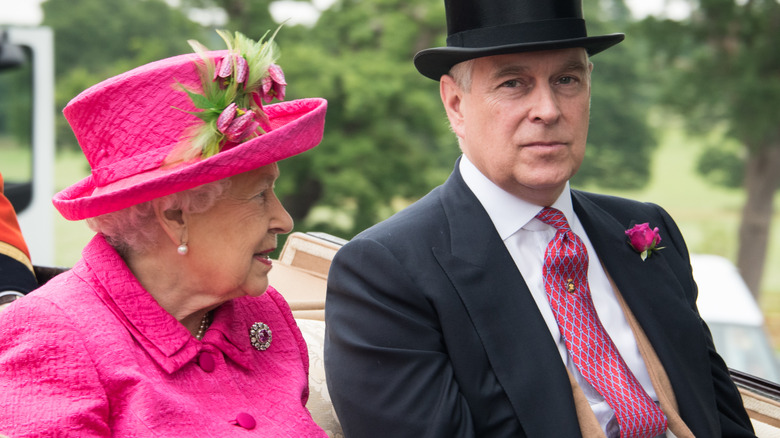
(230, 100)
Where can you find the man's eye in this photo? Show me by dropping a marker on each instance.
(511, 83)
(566, 80)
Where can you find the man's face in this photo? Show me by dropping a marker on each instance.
(524, 120)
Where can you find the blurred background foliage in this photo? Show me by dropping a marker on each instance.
(725, 71)
(387, 141)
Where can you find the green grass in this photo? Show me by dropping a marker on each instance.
(16, 162)
(70, 237)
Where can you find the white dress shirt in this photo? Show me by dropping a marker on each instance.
(526, 239)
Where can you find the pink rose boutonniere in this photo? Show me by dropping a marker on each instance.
(643, 239)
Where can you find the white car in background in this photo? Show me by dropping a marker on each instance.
(734, 318)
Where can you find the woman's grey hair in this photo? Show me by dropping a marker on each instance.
(135, 228)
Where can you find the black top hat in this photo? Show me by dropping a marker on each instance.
(477, 28)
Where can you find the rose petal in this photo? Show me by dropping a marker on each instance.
(657, 237)
(641, 237)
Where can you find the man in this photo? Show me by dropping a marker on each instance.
(471, 313)
(16, 271)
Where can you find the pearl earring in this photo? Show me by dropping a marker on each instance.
(182, 249)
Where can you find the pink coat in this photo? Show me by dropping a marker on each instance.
(91, 353)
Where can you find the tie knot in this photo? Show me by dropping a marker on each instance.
(554, 218)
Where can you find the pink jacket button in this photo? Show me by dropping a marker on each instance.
(245, 420)
(206, 362)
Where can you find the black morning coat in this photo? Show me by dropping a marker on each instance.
(432, 332)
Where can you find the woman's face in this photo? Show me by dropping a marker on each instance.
(229, 244)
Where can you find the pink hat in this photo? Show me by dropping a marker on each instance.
(138, 130)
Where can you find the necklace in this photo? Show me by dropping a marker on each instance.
(204, 323)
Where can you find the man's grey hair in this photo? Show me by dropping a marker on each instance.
(461, 73)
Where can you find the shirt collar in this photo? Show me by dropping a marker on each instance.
(166, 340)
(508, 212)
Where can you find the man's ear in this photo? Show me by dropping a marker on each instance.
(451, 97)
(173, 222)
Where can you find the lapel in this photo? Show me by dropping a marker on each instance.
(650, 287)
(656, 297)
(513, 333)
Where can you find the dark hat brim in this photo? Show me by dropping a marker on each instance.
(438, 61)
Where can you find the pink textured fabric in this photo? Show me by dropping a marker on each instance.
(91, 353)
(127, 125)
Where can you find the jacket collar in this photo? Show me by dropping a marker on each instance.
(507, 212)
(530, 370)
(661, 294)
(157, 332)
(648, 285)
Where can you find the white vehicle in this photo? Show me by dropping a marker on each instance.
(27, 79)
(734, 318)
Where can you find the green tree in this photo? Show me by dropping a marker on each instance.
(620, 141)
(386, 137)
(97, 39)
(16, 104)
(385, 130)
(387, 141)
(94, 34)
(722, 68)
(250, 17)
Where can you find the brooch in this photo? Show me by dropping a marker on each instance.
(260, 336)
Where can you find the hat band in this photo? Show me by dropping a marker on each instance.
(519, 33)
(127, 167)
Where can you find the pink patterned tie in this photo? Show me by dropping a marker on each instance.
(591, 348)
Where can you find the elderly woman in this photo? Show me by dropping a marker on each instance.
(167, 325)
